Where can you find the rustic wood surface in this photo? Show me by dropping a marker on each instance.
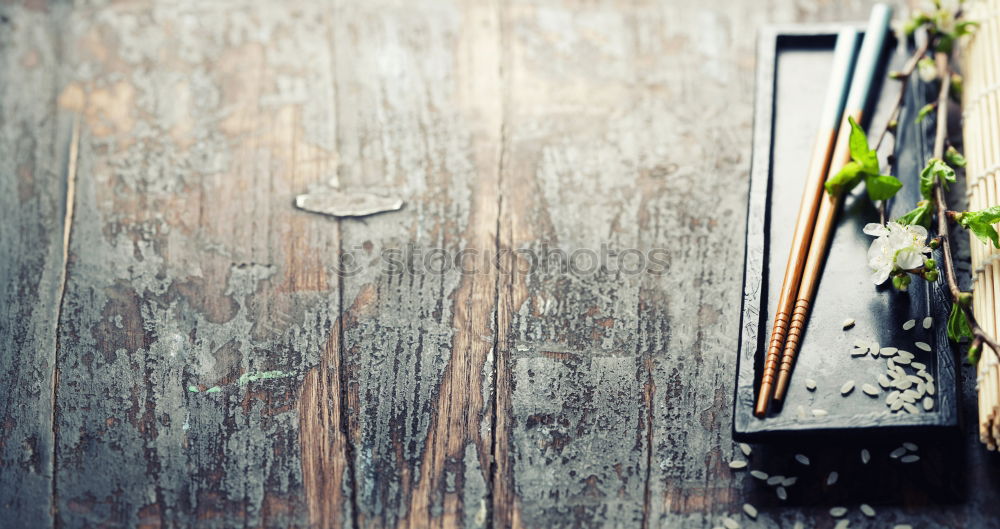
(181, 347)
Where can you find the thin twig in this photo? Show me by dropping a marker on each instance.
(940, 137)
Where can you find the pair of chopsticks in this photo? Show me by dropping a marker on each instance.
(818, 209)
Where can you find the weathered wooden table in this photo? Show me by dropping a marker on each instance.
(181, 347)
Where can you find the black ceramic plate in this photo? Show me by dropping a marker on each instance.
(792, 75)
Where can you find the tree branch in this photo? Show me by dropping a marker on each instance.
(941, 59)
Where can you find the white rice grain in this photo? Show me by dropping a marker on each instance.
(867, 510)
(817, 412)
(866, 456)
(774, 480)
(837, 512)
(832, 477)
(781, 492)
(910, 408)
(887, 351)
(928, 321)
(810, 384)
(912, 447)
(909, 324)
(730, 523)
(922, 345)
(870, 390)
(898, 453)
(750, 510)
(928, 403)
(848, 323)
(759, 474)
(910, 459)
(884, 381)
(842, 524)
(789, 481)
(737, 464)
(745, 448)
(802, 459)
(847, 387)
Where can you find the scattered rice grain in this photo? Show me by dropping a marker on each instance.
(847, 387)
(750, 510)
(898, 453)
(909, 324)
(922, 345)
(866, 456)
(802, 459)
(745, 448)
(871, 390)
(912, 447)
(759, 474)
(817, 412)
(848, 323)
(842, 524)
(781, 492)
(730, 523)
(928, 403)
(910, 408)
(832, 478)
(910, 459)
(810, 384)
(789, 481)
(774, 480)
(837, 512)
(867, 510)
(887, 351)
(928, 321)
(737, 464)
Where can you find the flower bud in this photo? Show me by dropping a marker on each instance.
(934, 243)
(931, 275)
(930, 264)
(927, 70)
(901, 282)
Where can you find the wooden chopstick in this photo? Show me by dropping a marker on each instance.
(833, 107)
(868, 62)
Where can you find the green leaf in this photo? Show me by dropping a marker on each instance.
(966, 27)
(882, 187)
(845, 180)
(981, 224)
(936, 170)
(924, 112)
(954, 158)
(946, 41)
(958, 324)
(860, 152)
(921, 215)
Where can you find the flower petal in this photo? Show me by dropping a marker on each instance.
(909, 258)
(875, 229)
(880, 275)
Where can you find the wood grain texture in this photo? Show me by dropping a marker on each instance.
(189, 272)
(419, 115)
(222, 359)
(33, 156)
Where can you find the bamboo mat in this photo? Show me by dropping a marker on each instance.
(981, 129)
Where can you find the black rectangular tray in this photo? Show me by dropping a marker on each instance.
(793, 68)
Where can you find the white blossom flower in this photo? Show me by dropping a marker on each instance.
(927, 70)
(895, 246)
